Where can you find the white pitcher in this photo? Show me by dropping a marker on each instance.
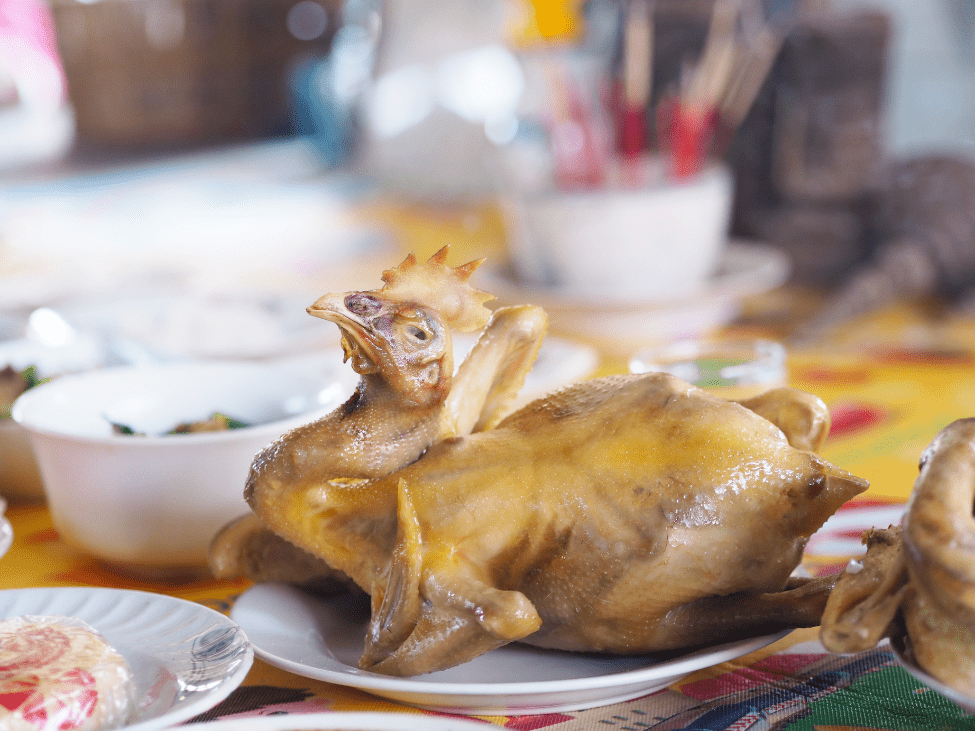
(443, 80)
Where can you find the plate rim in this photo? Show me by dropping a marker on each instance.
(175, 714)
(371, 720)
(46, 392)
(679, 667)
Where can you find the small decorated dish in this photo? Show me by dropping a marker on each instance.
(185, 658)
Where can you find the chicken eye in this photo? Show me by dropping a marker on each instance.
(416, 332)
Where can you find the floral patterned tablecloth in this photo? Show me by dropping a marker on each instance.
(891, 382)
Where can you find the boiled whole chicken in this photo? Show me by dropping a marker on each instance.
(627, 514)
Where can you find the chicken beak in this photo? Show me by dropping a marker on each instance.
(357, 340)
(332, 307)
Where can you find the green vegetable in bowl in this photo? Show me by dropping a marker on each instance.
(215, 422)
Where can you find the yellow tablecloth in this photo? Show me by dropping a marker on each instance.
(891, 382)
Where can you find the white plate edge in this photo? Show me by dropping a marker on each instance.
(682, 667)
(366, 720)
(698, 660)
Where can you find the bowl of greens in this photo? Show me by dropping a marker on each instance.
(142, 465)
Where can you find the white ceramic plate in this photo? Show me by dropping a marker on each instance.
(560, 362)
(323, 639)
(352, 721)
(902, 651)
(622, 325)
(6, 535)
(186, 657)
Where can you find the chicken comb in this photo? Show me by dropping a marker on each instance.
(445, 289)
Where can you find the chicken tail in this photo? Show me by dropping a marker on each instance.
(826, 490)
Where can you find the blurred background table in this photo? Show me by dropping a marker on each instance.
(208, 148)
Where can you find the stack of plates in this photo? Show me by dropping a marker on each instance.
(620, 326)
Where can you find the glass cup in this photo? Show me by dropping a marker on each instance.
(731, 369)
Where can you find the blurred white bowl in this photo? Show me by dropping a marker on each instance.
(658, 239)
(20, 479)
(79, 353)
(151, 504)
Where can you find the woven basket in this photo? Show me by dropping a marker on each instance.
(171, 72)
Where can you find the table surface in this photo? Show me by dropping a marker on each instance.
(891, 381)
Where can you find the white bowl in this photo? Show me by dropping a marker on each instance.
(660, 239)
(153, 503)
